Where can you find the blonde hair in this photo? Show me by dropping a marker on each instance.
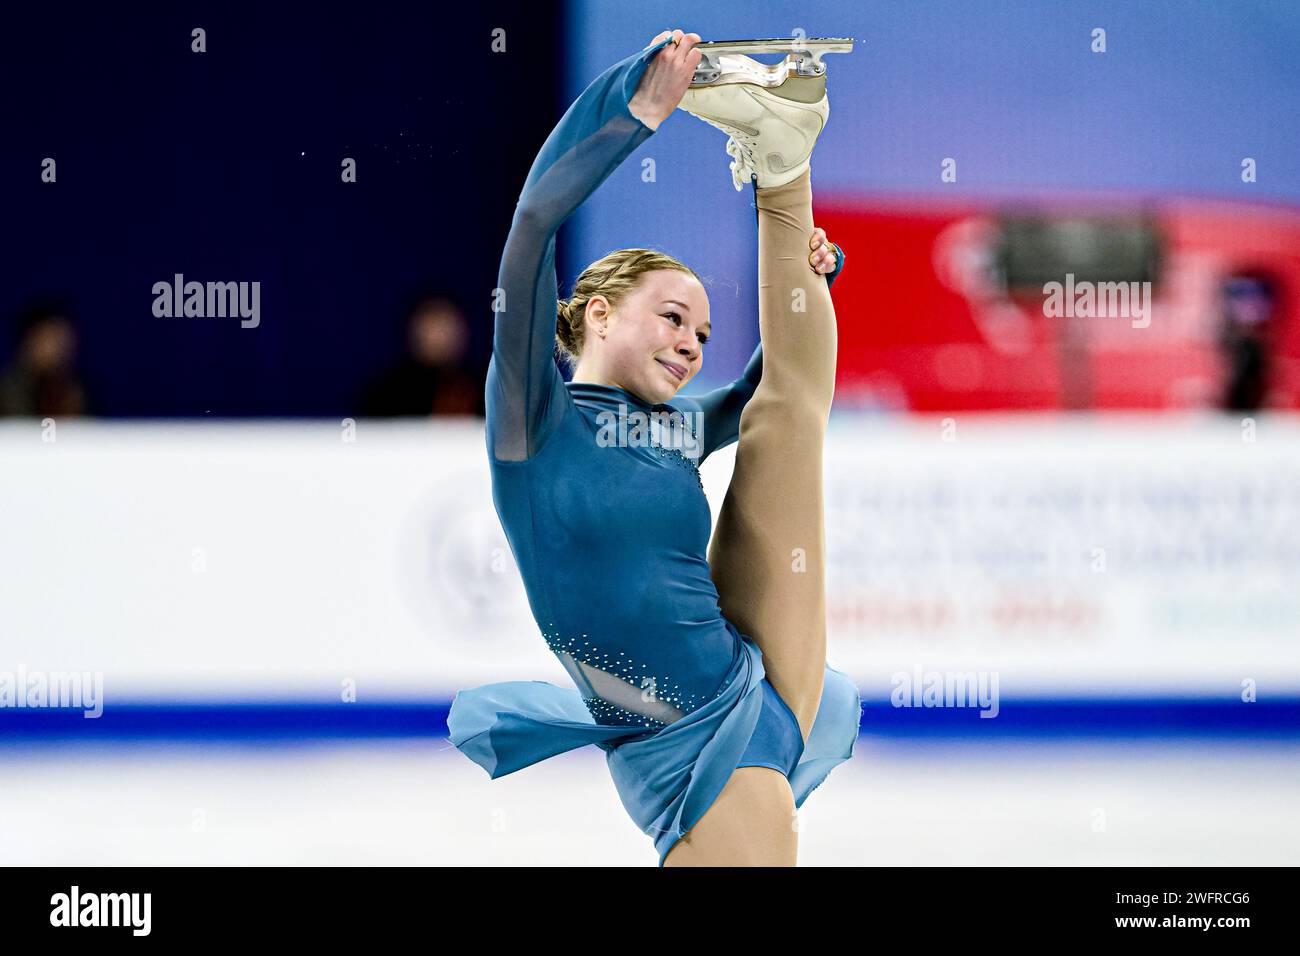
(613, 276)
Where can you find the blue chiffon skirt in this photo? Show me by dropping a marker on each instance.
(667, 778)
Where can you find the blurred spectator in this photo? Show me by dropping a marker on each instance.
(435, 377)
(1249, 304)
(42, 379)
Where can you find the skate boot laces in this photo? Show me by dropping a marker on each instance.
(740, 148)
(742, 163)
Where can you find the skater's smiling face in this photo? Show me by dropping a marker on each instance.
(651, 341)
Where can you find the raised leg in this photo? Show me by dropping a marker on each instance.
(767, 555)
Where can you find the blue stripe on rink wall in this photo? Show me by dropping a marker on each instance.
(1114, 718)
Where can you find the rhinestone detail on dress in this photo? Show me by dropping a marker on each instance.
(673, 454)
(678, 458)
(603, 712)
(624, 668)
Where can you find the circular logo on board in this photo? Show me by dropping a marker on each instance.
(462, 580)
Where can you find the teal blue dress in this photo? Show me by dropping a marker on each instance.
(664, 684)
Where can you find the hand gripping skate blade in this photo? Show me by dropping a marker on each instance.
(804, 57)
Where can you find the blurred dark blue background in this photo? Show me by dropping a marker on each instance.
(225, 166)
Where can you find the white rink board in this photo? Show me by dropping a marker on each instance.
(248, 560)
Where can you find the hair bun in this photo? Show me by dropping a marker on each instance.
(563, 327)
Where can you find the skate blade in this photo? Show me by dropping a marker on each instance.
(804, 58)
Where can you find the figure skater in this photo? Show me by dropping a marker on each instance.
(700, 669)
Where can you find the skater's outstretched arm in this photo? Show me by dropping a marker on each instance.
(722, 406)
(525, 392)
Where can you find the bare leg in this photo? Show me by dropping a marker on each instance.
(750, 824)
(767, 556)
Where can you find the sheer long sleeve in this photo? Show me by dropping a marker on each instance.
(525, 392)
(720, 408)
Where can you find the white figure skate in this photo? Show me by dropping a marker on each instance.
(773, 113)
